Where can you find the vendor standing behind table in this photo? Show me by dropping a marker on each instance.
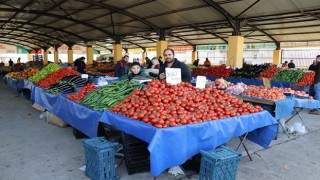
(207, 63)
(148, 62)
(285, 65)
(171, 62)
(313, 66)
(10, 63)
(135, 71)
(122, 67)
(81, 68)
(291, 65)
(316, 86)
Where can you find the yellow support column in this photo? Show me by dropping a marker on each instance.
(56, 55)
(70, 55)
(89, 55)
(235, 51)
(117, 52)
(161, 46)
(276, 56)
(144, 53)
(194, 56)
(45, 57)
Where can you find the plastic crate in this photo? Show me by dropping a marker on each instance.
(137, 156)
(219, 164)
(99, 158)
(78, 134)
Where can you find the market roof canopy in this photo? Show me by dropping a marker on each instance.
(35, 24)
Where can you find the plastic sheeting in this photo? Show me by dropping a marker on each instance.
(306, 103)
(173, 146)
(284, 108)
(82, 118)
(256, 82)
(102, 79)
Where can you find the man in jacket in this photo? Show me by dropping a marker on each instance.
(122, 67)
(316, 86)
(171, 62)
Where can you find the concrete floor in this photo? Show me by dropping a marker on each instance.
(31, 149)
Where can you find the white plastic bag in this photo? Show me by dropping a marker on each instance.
(297, 128)
(176, 170)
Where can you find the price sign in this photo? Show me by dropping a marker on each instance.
(84, 76)
(201, 82)
(173, 75)
(266, 82)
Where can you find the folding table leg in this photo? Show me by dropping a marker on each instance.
(285, 131)
(298, 112)
(244, 146)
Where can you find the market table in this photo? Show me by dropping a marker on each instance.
(257, 82)
(282, 108)
(300, 104)
(170, 147)
(82, 118)
(11, 83)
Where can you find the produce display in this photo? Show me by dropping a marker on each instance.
(23, 74)
(263, 92)
(249, 71)
(288, 76)
(5, 70)
(67, 85)
(236, 89)
(165, 105)
(269, 72)
(302, 94)
(54, 77)
(307, 79)
(218, 71)
(81, 94)
(50, 68)
(101, 70)
(107, 96)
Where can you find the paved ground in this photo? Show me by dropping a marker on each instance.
(31, 149)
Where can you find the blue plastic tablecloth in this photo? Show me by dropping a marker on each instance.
(284, 108)
(11, 83)
(173, 146)
(82, 118)
(306, 103)
(256, 82)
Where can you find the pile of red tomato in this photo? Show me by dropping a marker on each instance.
(307, 79)
(164, 105)
(78, 96)
(264, 92)
(218, 71)
(270, 72)
(54, 77)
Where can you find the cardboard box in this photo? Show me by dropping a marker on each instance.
(38, 107)
(54, 120)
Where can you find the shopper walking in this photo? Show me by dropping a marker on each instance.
(171, 62)
(316, 86)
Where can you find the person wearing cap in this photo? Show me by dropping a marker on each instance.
(135, 71)
(122, 67)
